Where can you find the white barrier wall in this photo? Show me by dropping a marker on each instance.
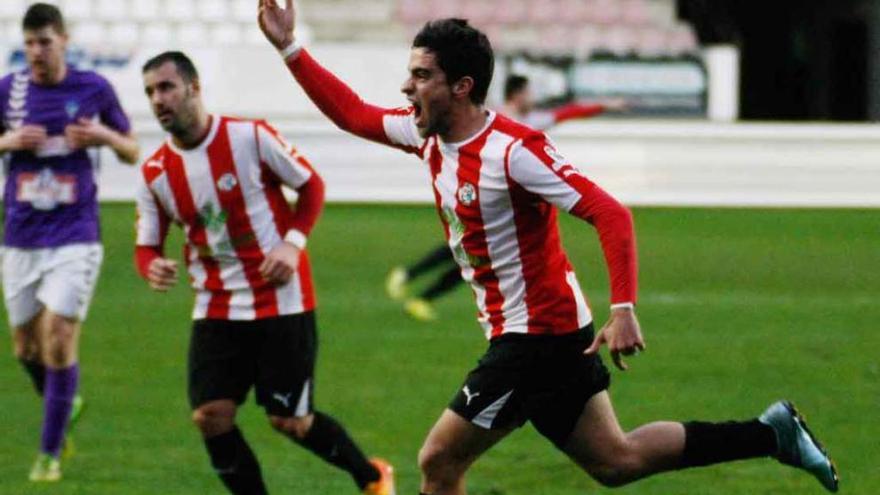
(642, 162)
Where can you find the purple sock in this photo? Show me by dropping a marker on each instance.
(60, 390)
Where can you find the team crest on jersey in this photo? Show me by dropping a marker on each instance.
(227, 182)
(467, 194)
(71, 107)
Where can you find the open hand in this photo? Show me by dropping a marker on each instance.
(276, 22)
(623, 336)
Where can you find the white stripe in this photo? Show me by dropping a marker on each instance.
(487, 416)
(401, 130)
(496, 210)
(302, 405)
(583, 310)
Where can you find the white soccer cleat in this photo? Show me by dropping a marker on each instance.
(46, 469)
(395, 283)
(797, 445)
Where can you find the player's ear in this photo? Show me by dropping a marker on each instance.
(463, 87)
(196, 85)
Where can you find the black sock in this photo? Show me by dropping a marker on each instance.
(329, 441)
(445, 283)
(439, 256)
(37, 371)
(711, 443)
(235, 463)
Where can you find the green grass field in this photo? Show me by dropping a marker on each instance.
(739, 308)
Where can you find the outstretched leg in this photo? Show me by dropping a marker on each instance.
(614, 458)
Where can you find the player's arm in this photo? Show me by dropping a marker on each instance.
(152, 229)
(332, 96)
(573, 111)
(283, 164)
(537, 167)
(26, 137)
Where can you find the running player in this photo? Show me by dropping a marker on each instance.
(52, 117)
(254, 318)
(497, 185)
(519, 104)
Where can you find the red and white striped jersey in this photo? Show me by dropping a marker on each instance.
(226, 194)
(495, 193)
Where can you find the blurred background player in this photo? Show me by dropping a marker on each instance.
(254, 318)
(50, 115)
(498, 185)
(519, 104)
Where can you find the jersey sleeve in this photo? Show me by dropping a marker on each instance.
(112, 114)
(389, 126)
(281, 158)
(286, 165)
(536, 166)
(151, 227)
(152, 220)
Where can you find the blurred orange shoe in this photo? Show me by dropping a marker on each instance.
(385, 484)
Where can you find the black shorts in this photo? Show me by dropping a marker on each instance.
(274, 355)
(543, 379)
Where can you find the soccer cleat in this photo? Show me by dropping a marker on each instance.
(46, 469)
(68, 448)
(395, 283)
(385, 484)
(797, 445)
(419, 309)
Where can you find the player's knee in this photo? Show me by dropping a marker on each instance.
(296, 428)
(214, 419)
(60, 341)
(437, 463)
(24, 345)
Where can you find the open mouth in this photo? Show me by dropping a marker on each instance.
(417, 111)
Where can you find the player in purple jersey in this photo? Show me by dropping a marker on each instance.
(52, 117)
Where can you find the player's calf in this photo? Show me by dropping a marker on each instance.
(297, 428)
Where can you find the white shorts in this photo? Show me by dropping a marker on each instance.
(61, 279)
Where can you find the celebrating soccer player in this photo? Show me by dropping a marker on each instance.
(498, 185)
(519, 104)
(51, 115)
(254, 317)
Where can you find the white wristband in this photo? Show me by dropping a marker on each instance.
(296, 238)
(626, 305)
(290, 50)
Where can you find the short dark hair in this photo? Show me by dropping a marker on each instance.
(184, 65)
(461, 51)
(514, 84)
(40, 15)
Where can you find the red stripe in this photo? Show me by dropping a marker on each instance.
(282, 216)
(238, 224)
(218, 306)
(474, 242)
(550, 299)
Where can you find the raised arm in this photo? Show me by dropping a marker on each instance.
(393, 127)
